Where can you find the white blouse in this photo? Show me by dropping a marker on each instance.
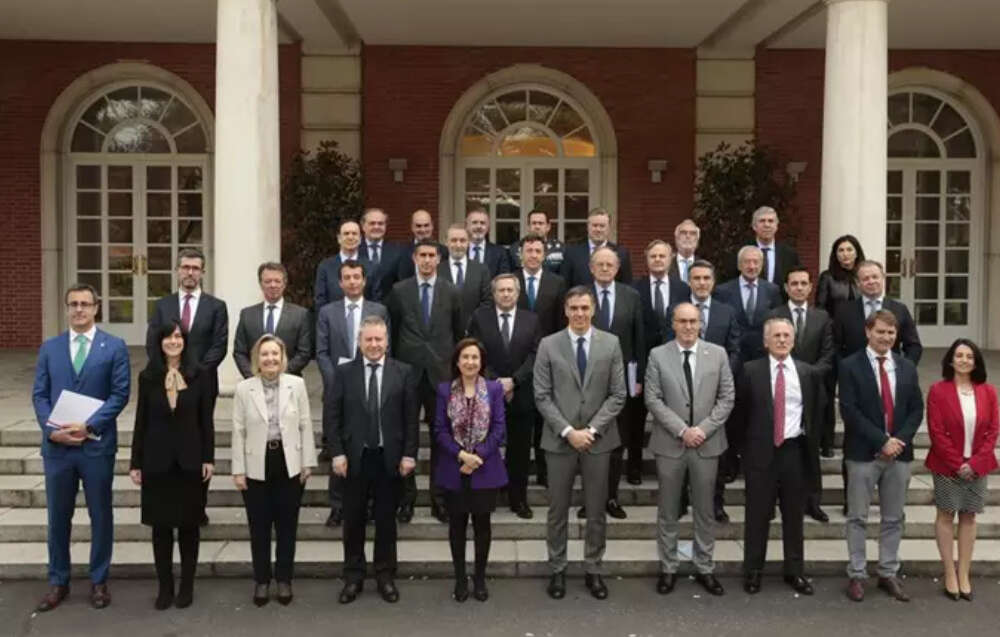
(968, 402)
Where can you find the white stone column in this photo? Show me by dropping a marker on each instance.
(247, 167)
(854, 125)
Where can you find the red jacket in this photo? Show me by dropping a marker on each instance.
(947, 429)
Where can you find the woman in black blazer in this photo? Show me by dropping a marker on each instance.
(172, 455)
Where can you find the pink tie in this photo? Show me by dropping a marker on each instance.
(779, 406)
(186, 314)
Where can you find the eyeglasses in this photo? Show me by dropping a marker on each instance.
(80, 305)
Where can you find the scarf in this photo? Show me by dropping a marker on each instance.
(470, 422)
(173, 382)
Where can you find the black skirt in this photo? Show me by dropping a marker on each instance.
(173, 498)
(469, 500)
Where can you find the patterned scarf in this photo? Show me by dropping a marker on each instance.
(174, 383)
(469, 423)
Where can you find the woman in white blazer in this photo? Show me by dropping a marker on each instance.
(273, 452)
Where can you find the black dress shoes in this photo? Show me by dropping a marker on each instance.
(461, 592)
(557, 586)
(615, 510)
(634, 479)
(826, 452)
(595, 584)
(751, 582)
(721, 516)
(710, 584)
(350, 592)
(479, 590)
(817, 513)
(440, 513)
(542, 480)
(523, 511)
(405, 513)
(285, 593)
(665, 583)
(261, 594)
(387, 589)
(165, 597)
(335, 518)
(204, 520)
(894, 588)
(56, 595)
(799, 584)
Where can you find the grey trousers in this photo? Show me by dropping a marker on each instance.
(563, 468)
(892, 479)
(670, 472)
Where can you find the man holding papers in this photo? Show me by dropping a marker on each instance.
(89, 362)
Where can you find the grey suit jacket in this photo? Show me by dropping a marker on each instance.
(331, 335)
(564, 399)
(293, 328)
(667, 398)
(426, 348)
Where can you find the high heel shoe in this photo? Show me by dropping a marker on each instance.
(966, 596)
(261, 594)
(479, 590)
(952, 596)
(461, 592)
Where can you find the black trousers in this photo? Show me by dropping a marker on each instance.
(784, 479)
(520, 432)
(273, 502)
(627, 422)
(163, 555)
(482, 535)
(371, 476)
(428, 398)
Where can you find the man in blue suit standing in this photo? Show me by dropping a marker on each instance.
(94, 363)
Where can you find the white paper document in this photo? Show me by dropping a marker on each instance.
(633, 369)
(72, 407)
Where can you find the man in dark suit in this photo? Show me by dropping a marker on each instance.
(426, 313)
(381, 257)
(371, 427)
(472, 279)
(337, 329)
(576, 264)
(882, 408)
(619, 312)
(686, 237)
(87, 361)
(496, 259)
(422, 227)
(813, 345)
(753, 298)
(538, 224)
(778, 258)
(779, 402)
(327, 286)
(510, 336)
(286, 320)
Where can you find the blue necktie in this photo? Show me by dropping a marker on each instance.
(373, 248)
(425, 302)
(269, 325)
(531, 292)
(581, 357)
(460, 277)
(605, 318)
(475, 254)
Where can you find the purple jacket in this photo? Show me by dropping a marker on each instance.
(492, 474)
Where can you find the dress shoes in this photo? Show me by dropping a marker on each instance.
(635, 479)
(856, 590)
(595, 584)
(710, 584)
(817, 513)
(461, 592)
(894, 588)
(387, 589)
(204, 520)
(53, 598)
(721, 516)
(405, 513)
(335, 518)
(100, 596)
(165, 597)
(261, 594)
(479, 590)
(665, 583)
(799, 584)
(581, 513)
(952, 596)
(285, 593)
(557, 586)
(967, 596)
(440, 513)
(523, 511)
(615, 510)
(751, 582)
(185, 594)
(542, 480)
(350, 592)
(826, 452)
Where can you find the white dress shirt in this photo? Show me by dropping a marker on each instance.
(573, 337)
(793, 395)
(74, 346)
(968, 403)
(195, 297)
(664, 290)
(769, 275)
(280, 303)
(890, 369)
(378, 382)
(599, 292)
(348, 257)
(453, 264)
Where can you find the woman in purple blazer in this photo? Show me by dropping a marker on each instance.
(468, 430)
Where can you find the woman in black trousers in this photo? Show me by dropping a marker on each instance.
(172, 455)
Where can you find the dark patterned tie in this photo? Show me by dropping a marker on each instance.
(581, 357)
(371, 440)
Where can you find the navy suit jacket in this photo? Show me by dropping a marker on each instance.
(657, 328)
(327, 286)
(380, 278)
(751, 327)
(105, 375)
(849, 329)
(722, 330)
(406, 267)
(496, 259)
(575, 268)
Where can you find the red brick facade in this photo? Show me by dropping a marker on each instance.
(34, 75)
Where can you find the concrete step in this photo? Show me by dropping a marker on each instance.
(229, 523)
(508, 558)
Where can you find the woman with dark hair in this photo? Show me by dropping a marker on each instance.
(963, 423)
(173, 453)
(838, 283)
(469, 429)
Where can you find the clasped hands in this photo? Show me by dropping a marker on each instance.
(581, 439)
(406, 466)
(71, 434)
(470, 462)
(892, 448)
(693, 437)
(966, 472)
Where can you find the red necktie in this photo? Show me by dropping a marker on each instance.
(883, 378)
(186, 313)
(779, 406)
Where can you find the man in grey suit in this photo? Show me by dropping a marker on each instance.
(579, 381)
(286, 320)
(337, 329)
(688, 437)
(471, 278)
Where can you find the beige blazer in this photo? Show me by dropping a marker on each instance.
(250, 426)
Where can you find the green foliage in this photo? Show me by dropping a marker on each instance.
(732, 183)
(319, 189)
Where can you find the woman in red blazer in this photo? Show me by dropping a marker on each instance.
(963, 423)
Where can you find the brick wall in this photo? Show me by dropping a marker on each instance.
(34, 74)
(648, 93)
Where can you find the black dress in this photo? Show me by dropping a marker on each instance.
(169, 447)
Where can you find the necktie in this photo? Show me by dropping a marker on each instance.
(751, 302)
(779, 406)
(685, 264)
(704, 320)
(658, 299)
(505, 329)
(887, 405)
(531, 292)
(605, 318)
(373, 247)
(767, 267)
(186, 313)
(581, 358)
(425, 302)
(269, 324)
(799, 328)
(873, 306)
(81, 352)
(475, 253)
(690, 386)
(371, 440)
(459, 276)
(352, 345)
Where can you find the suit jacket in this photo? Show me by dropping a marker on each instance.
(496, 260)
(428, 348)
(946, 426)
(566, 400)
(208, 338)
(492, 474)
(517, 361)
(862, 412)
(250, 425)
(475, 290)
(326, 288)
(658, 328)
(751, 327)
(331, 335)
(849, 329)
(667, 398)
(724, 330)
(575, 267)
(549, 301)
(407, 268)
(674, 270)
(185, 435)
(293, 328)
(345, 416)
(787, 258)
(627, 325)
(831, 292)
(815, 345)
(105, 375)
(380, 278)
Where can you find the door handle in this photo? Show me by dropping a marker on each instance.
(135, 265)
(913, 267)
(144, 264)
